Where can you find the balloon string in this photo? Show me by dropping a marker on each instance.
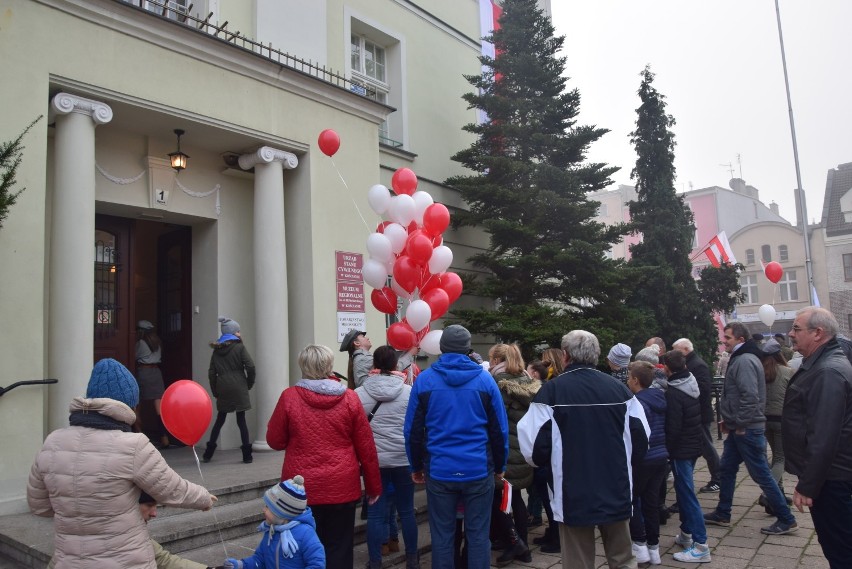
(339, 175)
(212, 508)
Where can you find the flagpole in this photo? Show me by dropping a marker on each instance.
(800, 194)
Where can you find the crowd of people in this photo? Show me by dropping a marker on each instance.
(592, 446)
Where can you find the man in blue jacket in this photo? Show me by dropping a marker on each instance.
(457, 440)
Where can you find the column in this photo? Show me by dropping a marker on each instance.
(71, 325)
(270, 281)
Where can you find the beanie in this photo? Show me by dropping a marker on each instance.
(229, 326)
(619, 355)
(651, 354)
(287, 500)
(110, 379)
(455, 340)
(146, 498)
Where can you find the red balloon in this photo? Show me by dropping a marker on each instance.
(437, 241)
(186, 410)
(412, 227)
(420, 335)
(452, 283)
(384, 300)
(406, 273)
(380, 228)
(419, 248)
(404, 181)
(774, 271)
(429, 282)
(328, 142)
(436, 218)
(401, 336)
(438, 300)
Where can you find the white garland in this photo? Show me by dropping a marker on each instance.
(184, 189)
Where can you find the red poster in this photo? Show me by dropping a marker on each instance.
(350, 297)
(349, 266)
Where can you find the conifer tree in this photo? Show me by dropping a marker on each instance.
(546, 263)
(11, 155)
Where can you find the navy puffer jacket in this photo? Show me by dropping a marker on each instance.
(654, 403)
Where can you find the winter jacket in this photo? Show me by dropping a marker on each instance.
(775, 392)
(517, 393)
(699, 369)
(654, 404)
(816, 425)
(362, 364)
(163, 559)
(89, 480)
(684, 436)
(456, 427)
(231, 375)
(744, 389)
(589, 428)
(322, 426)
(389, 420)
(309, 552)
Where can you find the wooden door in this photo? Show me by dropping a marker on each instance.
(113, 291)
(174, 300)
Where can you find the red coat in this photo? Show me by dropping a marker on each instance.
(328, 441)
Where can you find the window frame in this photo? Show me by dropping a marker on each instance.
(748, 287)
(749, 256)
(766, 253)
(783, 253)
(787, 283)
(847, 267)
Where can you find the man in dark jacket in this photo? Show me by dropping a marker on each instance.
(600, 430)
(742, 405)
(456, 412)
(699, 369)
(683, 441)
(816, 427)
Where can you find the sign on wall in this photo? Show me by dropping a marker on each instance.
(350, 293)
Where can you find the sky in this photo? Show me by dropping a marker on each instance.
(718, 63)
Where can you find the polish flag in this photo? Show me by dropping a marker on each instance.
(719, 251)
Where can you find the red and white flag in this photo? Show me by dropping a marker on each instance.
(719, 251)
(506, 498)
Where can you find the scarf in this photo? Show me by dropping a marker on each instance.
(288, 543)
(501, 367)
(97, 421)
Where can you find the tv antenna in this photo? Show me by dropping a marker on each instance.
(729, 167)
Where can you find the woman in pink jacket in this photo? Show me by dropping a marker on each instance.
(89, 476)
(322, 426)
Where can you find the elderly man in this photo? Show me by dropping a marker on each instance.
(589, 428)
(816, 428)
(698, 368)
(742, 405)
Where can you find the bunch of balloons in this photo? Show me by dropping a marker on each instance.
(408, 247)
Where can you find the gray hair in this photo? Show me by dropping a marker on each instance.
(582, 347)
(820, 318)
(316, 362)
(686, 343)
(651, 354)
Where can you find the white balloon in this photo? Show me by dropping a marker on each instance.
(402, 209)
(442, 258)
(431, 342)
(375, 273)
(418, 315)
(422, 200)
(379, 198)
(766, 312)
(400, 292)
(379, 247)
(397, 235)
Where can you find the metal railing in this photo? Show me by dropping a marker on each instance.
(31, 382)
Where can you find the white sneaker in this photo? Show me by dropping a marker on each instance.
(698, 553)
(640, 552)
(684, 540)
(654, 555)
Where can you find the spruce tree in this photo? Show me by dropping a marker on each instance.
(546, 263)
(11, 155)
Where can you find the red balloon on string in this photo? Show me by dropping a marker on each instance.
(406, 273)
(419, 247)
(438, 300)
(437, 241)
(186, 410)
(773, 271)
(401, 336)
(404, 181)
(436, 219)
(452, 283)
(328, 142)
(384, 299)
(429, 282)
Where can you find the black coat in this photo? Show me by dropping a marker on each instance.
(683, 421)
(701, 371)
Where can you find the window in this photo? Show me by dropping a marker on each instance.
(749, 256)
(847, 266)
(176, 8)
(748, 283)
(106, 284)
(789, 288)
(369, 70)
(766, 253)
(782, 253)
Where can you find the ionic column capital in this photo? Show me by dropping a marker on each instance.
(267, 155)
(65, 103)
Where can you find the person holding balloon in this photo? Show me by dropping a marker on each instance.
(231, 376)
(358, 344)
(89, 476)
(323, 429)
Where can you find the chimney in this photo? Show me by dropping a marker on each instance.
(773, 207)
(738, 185)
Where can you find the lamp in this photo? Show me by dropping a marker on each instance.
(178, 158)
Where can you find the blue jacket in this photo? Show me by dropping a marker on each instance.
(654, 403)
(310, 553)
(456, 426)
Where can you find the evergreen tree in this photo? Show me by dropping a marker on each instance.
(546, 265)
(11, 154)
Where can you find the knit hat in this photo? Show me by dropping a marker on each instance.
(619, 355)
(110, 379)
(771, 347)
(349, 338)
(287, 499)
(651, 354)
(144, 325)
(229, 326)
(146, 498)
(455, 340)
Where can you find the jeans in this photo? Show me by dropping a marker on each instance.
(377, 514)
(443, 498)
(749, 448)
(645, 522)
(832, 515)
(708, 451)
(691, 516)
(773, 437)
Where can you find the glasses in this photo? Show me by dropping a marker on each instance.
(798, 329)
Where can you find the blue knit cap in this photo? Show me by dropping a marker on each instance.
(110, 379)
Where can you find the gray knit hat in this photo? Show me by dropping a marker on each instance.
(651, 354)
(229, 326)
(619, 355)
(111, 380)
(287, 500)
(455, 340)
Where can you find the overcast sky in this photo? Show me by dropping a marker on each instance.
(719, 65)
